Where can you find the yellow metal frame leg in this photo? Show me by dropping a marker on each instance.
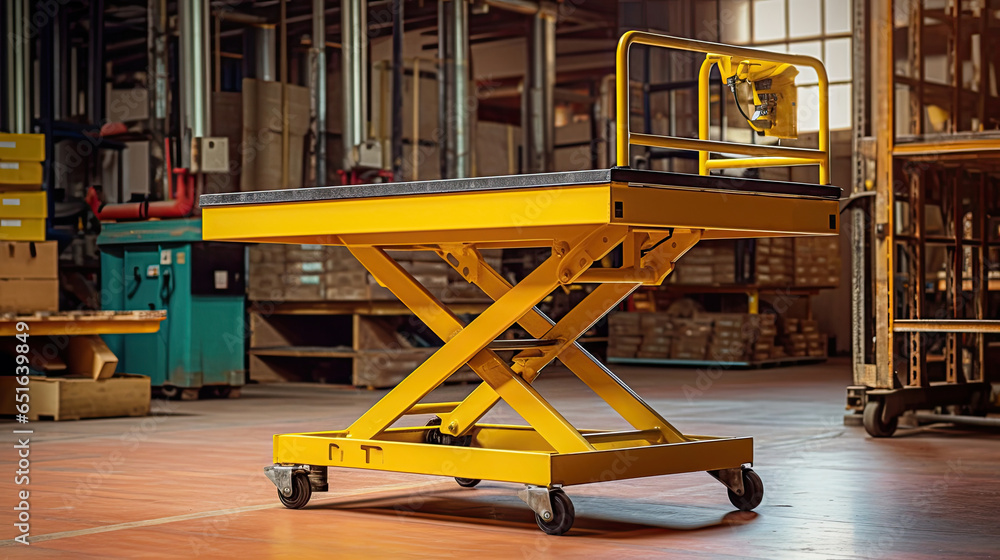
(468, 344)
(523, 398)
(600, 380)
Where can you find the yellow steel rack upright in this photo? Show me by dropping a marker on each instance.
(655, 217)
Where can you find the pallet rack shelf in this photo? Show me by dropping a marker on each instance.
(930, 153)
(351, 343)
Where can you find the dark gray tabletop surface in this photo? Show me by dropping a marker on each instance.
(592, 177)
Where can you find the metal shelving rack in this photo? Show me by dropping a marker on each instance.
(931, 346)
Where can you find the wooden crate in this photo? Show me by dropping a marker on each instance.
(75, 398)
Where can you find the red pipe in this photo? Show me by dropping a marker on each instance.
(179, 207)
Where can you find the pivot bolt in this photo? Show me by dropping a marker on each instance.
(453, 427)
(547, 515)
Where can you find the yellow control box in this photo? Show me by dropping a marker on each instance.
(22, 147)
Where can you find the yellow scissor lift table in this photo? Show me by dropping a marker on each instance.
(655, 217)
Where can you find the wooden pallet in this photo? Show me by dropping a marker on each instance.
(82, 322)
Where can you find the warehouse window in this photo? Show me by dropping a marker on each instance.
(820, 28)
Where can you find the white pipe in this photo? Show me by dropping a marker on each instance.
(354, 77)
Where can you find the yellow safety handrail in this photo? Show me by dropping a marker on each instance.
(762, 156)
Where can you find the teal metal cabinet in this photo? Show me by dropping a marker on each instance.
(166, 265)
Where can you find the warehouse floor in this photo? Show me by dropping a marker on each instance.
(187, 481)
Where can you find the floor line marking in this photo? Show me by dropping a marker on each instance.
(204, 514)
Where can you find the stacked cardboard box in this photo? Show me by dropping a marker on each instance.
(23, 207)
(775, 261)
(624, 335)
(263, 126)
(708, 263)
(801, 338)
(319, 272)
(792, 338)
(815, 341)
(305, 273)
(721, 337)
(344, 278)
(657, 336)
(691, 338)
(817, 262)
(286, 272)
(738, 337)
(29, 276)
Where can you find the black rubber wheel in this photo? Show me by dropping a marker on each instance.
(467, 482)
(753, 492)
(563, 514)
(169, 391)
(433, 436)
(874, 424)
(301, 492)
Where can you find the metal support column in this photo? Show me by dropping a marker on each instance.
(397, 89)
(6, 81)
(259, 58)
(354, 77)
(193, 17)
(18, 66)
(319, 87)
(860, 224)
(538, 112)
(884, 242)
(453, 85)
(159, 124)
(46, 106)
(95, 67)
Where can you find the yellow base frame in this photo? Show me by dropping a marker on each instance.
(515, 454)
(549, 451)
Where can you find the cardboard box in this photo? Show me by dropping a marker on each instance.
(305, 267)
(227, 122)
(301, 293)
(20, 174)
(267, 254)
(22, 229)
(75, 398)
(22, 147)
(29, 259)
(263, 125)
(23, 204)
(89, 356)
(27, 295)
(127, 104)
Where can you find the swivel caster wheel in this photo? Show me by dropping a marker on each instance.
(562, 515)
(467, 482)
(436, 437)
(874, 424)
(433, 436)
(169, 391)
(753, 492)
(301, 492)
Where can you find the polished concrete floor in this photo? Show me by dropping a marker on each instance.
(187, 482)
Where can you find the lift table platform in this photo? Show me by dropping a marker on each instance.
(655, 217)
